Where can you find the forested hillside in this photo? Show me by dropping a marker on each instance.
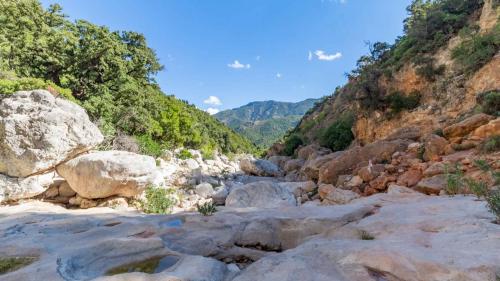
(444, 68)
(265, 122)
(110, 73)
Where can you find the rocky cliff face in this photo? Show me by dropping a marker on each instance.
(445, 97)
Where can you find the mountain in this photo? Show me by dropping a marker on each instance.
(441, 71)
(109, 73)
(265, 122)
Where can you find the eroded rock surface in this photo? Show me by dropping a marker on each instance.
(402, 235)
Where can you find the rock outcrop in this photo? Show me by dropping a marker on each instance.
(39, 131)
(108, 173)
(259, 167)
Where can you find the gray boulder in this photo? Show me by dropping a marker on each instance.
(39, 131)
(261, 168)
(12, 188)
(263, 194)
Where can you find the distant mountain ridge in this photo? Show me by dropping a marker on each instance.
(265, 122)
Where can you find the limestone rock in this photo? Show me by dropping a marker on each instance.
(435, 146)
(263, 194)
(65, 190)
(106, 173)
(204, 190)
(293, 165)
(39, 131)
(432, 185)
(466, 126)
(410, 178)
(12, 188)
(339, 196)
(377, 151)
(488, 130)
(312, 166)
(263, 168)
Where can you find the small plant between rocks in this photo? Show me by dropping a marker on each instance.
(158, 200)
(365, 235)
(207, 209)
(14, 263)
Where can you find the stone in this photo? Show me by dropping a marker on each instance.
(380, 183)
(262, 194)
(191, 164)
(65, 190)
(437, 169)
(220, 194)
(13, 189)
(354, 181)
(432, 185)
(377, 151)
(262, 168)
(339, 196)
(297, 188)
(325, 189)
(279, 160)
(466, 126)
(312, 166)
(409, 178)
(410, 133)
(52, 192)
(204, 190)
(107, 173)
(40, 131)
(488, 130)
(395, 189)
(126, 143)
(370, 172)
(293, 165)
(434, 147)
(306, 151)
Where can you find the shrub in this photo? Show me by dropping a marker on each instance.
(493, 200)
(207, 209)
(158, 200)
(490, 102)
(14, 263)
(399, 102)
(472, 54)
(9, 86)
(149, 146)
(292, 143)
(439, 132)
(478, 188)
(339, 135)
(454, 181)
(428, 70)
(491, 144)
(184, 154)
(365, 235)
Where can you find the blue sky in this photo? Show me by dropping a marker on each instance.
(238, 51)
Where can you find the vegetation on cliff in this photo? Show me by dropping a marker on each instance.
(110, 73)
(372, 89)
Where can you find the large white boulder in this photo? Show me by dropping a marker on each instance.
(262, 168)
(262, 194)
(39, 131)
(107, 173)
(12, 188)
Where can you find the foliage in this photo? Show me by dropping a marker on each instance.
(148, 146)
(158, 200)
(184, 154)
(9, 86)
(493, 200)
(454, 181)
(14, 263)
(339, 135)
(399, 102)
(147, 266)
(110, 73)
(365, 235)
(207, 209)
(491, 144)
(291, 143)
(478, 188)
(477, 50)
(427, 69)
(490, 102)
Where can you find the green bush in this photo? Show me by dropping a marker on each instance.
(292, 143)
(490, 102)
(475, 52)
(149, 146)
(184, 154)
(491, 144)
(207, 209)
(454, 181)
(9, 86)
(15, 263)
(493, 200)
(339, 135)
(365, 235)
(399, 102)
(158, 200)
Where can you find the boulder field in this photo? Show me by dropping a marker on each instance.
(382, 211)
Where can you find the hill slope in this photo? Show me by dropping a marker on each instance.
(443, 69)
(110, 73)
(265, 122)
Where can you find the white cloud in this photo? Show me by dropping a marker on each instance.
(212, 111)
(321, 55)
(310, 56)
(278, 75)
(213, 100)
(237, 65)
